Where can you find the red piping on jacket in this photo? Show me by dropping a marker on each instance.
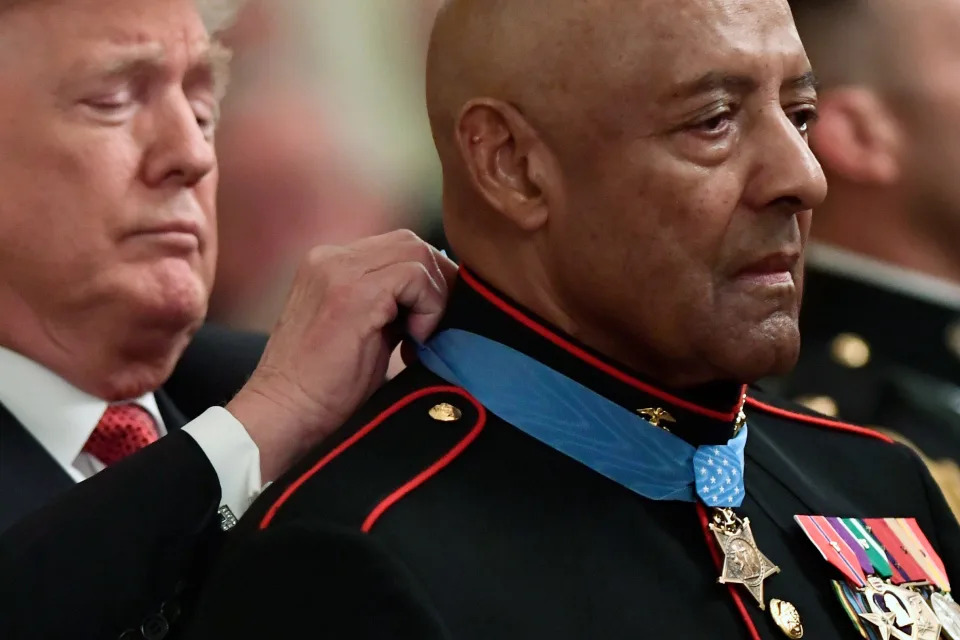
(737, 600)
(820, 422)
(592, 360)
(430, 471)
(370, 426)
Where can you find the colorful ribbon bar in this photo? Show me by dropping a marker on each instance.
(878, 557)
(837, 554)
(902, 561)
(940, 579)
(919, 552)
(854, 545)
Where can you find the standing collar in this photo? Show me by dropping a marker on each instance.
(702, 415)
(58, 415)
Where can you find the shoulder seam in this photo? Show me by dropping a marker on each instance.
(819, 422)
(366, 430)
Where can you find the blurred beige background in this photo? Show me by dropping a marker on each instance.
(324, 139)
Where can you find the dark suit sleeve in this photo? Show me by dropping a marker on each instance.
(115, 550)
(302, 581)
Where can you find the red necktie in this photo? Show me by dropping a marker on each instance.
(123, 429)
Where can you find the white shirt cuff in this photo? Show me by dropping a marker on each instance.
(233, 454)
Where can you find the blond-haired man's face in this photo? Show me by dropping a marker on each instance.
(108, 177)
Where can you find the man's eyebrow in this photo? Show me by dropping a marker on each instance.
(807, 80)
(215, 63)
(715, 81)
(129, 62)
(739, 84)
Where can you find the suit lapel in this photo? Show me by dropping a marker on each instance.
(173, 418)
(29, 476)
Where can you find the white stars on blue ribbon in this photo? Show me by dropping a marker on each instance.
(720, 481)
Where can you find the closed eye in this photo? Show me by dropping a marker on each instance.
(113, 107)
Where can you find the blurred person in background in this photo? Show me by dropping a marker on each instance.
(322, 141)
(881, 317)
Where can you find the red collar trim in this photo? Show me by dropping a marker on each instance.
(820, 422)
(592, 360)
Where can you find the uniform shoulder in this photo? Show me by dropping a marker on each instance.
(399, 440)
(768, 405)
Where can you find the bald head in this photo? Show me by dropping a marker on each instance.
(606, 163)
(569, 70)
(508, 50)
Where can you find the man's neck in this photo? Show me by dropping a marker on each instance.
(704, 415)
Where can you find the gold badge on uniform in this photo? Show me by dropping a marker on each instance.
(743, 562)
(787, 618)
(445, 412)
(657, 417)
(895, 584)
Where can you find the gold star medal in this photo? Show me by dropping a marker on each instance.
(743, 562)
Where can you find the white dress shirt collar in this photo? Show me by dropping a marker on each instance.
(57, 414)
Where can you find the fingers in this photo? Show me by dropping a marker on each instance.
(377, 252)
(411, 286)
(447, 267)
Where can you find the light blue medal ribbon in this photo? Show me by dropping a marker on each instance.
(598, 433)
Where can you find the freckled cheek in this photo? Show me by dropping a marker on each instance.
(698, 217)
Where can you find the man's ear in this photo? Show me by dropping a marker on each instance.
(858, 137)
(508, 163)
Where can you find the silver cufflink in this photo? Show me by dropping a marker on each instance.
(227, 519)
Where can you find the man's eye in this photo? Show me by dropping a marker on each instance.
(111, 102)
(804, 118)
(207, 119)
(716, 124)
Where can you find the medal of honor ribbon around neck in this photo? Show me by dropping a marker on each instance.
(609, 439)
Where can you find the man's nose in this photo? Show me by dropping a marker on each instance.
(180, 150)
(786, 174)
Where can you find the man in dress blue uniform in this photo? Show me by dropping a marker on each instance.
(577, 453)
(881, 315)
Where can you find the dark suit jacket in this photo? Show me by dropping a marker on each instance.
(121, 550)
(404, 526)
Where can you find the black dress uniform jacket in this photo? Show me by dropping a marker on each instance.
(121, 550)
(404, 526)
(903, 375)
